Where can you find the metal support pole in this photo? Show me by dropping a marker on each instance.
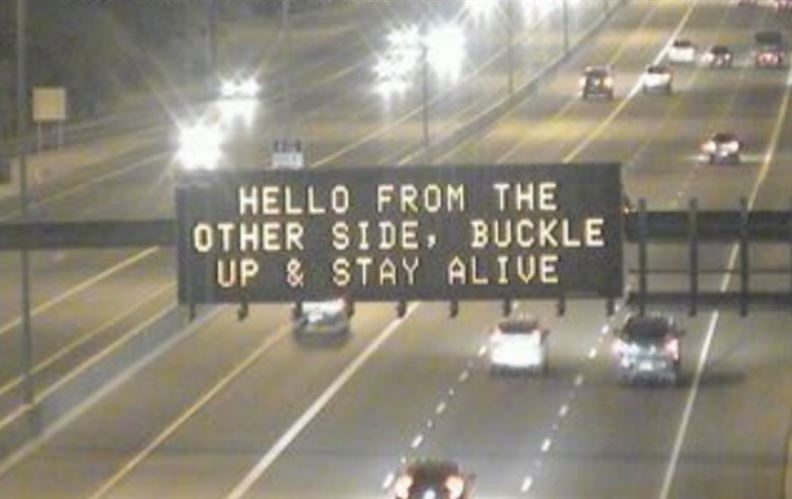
(565, 14)
(506, 308)
(425, 93)
(510, 46)
(22, 110)
(694, 258)
(286, 26)
(744, 258)
(211, 39)
(643, 235)
(790, 255)
(453, 308)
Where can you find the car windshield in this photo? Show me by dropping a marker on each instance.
(657, 70)
(646, 329)
(719, 50)
(596, 73)
(525, 326)
(681, 44)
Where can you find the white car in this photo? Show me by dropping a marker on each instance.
(722, 147)
(657, 78)
(321, 319)
(518, 345)
(240, 88)
(682, 52)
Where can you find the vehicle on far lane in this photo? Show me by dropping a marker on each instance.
(657, 78)
(321, 321)
(647, 348)
(519, 345)
(770, 51)
(433, 479)
(783, 5)
(718, 56)
(681, 51)
(596, 82)
(722, 147)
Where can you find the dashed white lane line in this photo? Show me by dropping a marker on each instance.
(464, 376)
(562, 413)
(546, 444)
(417, 441)
(310, 414)
(592, 353)
(579, 379)
(388, 481)
(526, 484)
(441, 407)
(482, 351)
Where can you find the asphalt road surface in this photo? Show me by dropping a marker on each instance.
(240, 410)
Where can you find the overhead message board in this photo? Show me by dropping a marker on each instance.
(408, 233)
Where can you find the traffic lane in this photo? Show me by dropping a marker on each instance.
(632, 36)
(361, 435)
(736, 441)
(227, 435)
(516, 417)
(107, 434)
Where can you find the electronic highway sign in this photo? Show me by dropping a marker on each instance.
(408, 233)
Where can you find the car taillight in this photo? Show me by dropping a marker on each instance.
(672, 348)
(456, 486)
(708, 146)
(608, 81)
(402, 486)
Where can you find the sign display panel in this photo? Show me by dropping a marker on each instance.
(407, 233)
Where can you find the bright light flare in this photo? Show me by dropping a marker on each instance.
(247, 88)
(445, 50)
(200, 146)
(233, 111)
(481, 10)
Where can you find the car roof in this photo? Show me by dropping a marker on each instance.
(596, 70)
(657, 68)
(769, 38)
(682, 42)
(724, 136)
(520, 325)
(649, 327)
(431, 469)
(719, 49)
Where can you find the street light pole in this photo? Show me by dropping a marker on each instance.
(425, 92)
(565, 15)
(510, 49)
(285, 7)
(22, 110)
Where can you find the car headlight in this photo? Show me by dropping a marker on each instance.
(456, 486)
(228, 88)
(402, 486)
(200, 146)
(608, 82)
(249, 88)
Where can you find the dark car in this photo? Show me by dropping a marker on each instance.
(435, 479)
(596, 81)
(783, 5)
(770, 51)
(719, 56)
(723, 147)
(647, 348)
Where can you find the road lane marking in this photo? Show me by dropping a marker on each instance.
(563, 411)
(184, 417)
(691, 399)
(79, 288)
(10, 385)
(71, 415)
(526, 484)
(546, 444)
(313, 411)
(441, 407)
(416, 442)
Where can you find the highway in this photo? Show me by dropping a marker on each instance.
(237, 409)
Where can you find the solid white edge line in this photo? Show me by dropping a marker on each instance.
(310, 414)
(767, 160)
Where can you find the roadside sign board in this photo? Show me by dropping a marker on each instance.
(408, 233)
(287, 154)
(49, 104)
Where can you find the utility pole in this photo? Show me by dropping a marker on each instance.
(510, 47)
(425, 92)
(286, 26)
(565, 14)
(22, 110)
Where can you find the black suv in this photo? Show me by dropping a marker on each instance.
(596, 82)
(647, 348)
(719, 56)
